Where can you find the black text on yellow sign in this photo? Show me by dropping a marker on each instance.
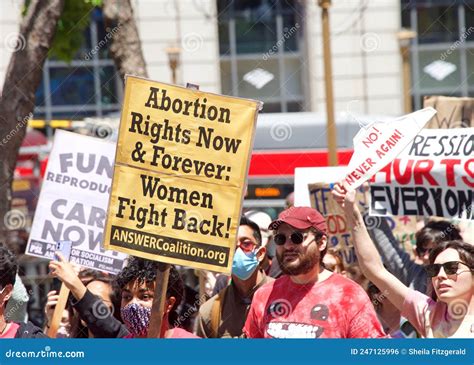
(186, 133)
(180, 169)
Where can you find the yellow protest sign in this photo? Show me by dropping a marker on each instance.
(180, 171)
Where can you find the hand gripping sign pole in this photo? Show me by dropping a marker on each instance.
(180, 169)
(64, 247)
(159, 299)
(58, 311)
(161, 284)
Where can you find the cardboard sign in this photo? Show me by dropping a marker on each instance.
(451, 112)
(180, 171)
(380, 142)
(434, 176)
(339, 235)
(312, 188)
(73, 202)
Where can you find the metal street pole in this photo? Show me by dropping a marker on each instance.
(173, 58)
(331, 124)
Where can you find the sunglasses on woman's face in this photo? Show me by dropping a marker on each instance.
(296, 238)
(450, 268)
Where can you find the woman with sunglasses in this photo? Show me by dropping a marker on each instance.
(451, 269)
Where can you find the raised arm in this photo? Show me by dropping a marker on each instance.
(91, 309)
(368, 257)
(65, 272)
(394, 257)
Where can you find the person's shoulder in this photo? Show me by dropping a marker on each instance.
(271, 285)
(347, 284)
(206, 307)
(29, 330)
(182, 333)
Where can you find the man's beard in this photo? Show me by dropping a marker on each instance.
(303, 264)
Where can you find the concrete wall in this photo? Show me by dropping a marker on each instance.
(365, 56)
(194, 29)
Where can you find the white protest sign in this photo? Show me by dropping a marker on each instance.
(381, 142)
(313, 188)
(433, 176)
(310, 175)
(73, 202)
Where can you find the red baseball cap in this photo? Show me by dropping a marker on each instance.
(301, 218)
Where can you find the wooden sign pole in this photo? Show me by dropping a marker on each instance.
(159, 299)
(161, 285)
(202, 285)
(58, 311)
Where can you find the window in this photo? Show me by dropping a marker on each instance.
(437, 24)
(89, 86)
(442, 54)
(260, 45)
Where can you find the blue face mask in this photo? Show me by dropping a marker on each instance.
(244, 265)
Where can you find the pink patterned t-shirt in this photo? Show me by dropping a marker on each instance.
(433, 319)
(334, 308)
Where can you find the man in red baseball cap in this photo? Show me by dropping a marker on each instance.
(308, 301)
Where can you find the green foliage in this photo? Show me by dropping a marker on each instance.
(70, 32)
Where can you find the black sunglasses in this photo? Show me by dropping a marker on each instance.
(450, 268)
(295, 237)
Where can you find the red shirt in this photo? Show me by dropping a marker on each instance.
(11, 331)
(181, 333)
(334, 308)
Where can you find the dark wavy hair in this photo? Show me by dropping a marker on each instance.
(8, 267)
(466, 254)
(465, 250)
(88, 276)
(145, 272)
(436, 232)
(244, 221)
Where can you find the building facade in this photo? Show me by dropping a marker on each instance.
(269, 50)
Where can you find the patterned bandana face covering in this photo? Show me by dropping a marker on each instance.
(136, 318)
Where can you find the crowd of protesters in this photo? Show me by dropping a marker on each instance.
(285, 283)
